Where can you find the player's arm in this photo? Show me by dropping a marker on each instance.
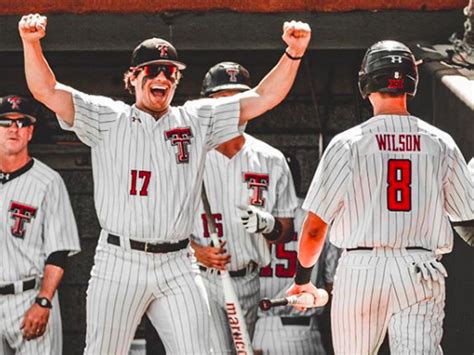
(312, 237)
(36, 318)
(39, 76)
(274, 87)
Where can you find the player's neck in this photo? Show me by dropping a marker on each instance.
(388, 105)
(231, 147)
(11, 163)
(156, 114)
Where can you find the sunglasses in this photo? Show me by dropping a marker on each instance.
(153, 70)
(20, 122)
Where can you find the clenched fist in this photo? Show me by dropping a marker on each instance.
(296, 35)
(32, 27)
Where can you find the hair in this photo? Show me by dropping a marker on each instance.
(127, 76)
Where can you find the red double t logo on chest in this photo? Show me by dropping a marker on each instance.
(180, 137)
(257, 183)
(21, 214)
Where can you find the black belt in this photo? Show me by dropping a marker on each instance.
(237, 273)
(296, 320)
(372, 248)
(10, 289)
(149, 247)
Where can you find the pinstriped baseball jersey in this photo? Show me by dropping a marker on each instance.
(36, 219)
(258, 175)
(147, 173)
(393, 181)
(277, 277)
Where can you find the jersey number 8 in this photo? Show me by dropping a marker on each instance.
(399, 185)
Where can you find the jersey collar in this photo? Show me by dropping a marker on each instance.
(6, 177)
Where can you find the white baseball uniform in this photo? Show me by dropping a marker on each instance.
(285, 330)
(257, 175)
(391, 184)
(36, 219)
(147, 181)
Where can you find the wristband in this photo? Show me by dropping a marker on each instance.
(275, 233)
(303, 274)
(291, 57)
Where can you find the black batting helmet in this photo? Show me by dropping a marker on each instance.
(225, 76)
(390, 67)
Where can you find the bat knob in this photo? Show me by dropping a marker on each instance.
(265, 304)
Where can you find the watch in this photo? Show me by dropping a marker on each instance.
(43, 302)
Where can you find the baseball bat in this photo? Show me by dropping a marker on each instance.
(304, 299)
(235, 315)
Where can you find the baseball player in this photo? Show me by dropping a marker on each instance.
(243, 171)
(148, 161)
(286, 330)
(37, 234)
(388, 186)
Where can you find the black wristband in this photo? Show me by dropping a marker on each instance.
(275, 233)
(291, 57)
(303, 274)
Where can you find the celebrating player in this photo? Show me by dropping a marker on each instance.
(37, 233)
(147, 162)
(388, 186)
(243, 171)
(286, 330)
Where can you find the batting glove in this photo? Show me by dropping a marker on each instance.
(430, 271)
(256, 220)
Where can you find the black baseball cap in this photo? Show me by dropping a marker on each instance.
(155, 50)
(13, 104)
(225, 76)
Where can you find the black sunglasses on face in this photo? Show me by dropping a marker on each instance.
(20, 122)
(153, 70)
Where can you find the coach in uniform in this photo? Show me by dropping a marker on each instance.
(37, 233)
(147, 163)
(389, 186)
(243, 176)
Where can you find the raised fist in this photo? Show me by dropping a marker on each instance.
(32, 27)
(296, 35)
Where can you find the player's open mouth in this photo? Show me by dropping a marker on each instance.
(158, 90)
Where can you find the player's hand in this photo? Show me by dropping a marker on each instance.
(32, 27)
(296, 35)
(430, 271)
(256, 220)
(213, 257)
(35, 322)
(297, 289)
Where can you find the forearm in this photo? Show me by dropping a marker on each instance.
(283, 231)
(51, 279)
(39, 76)
(311, 245)
(271, 90)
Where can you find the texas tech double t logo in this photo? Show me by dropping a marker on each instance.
(257, 183)
(20, 213)
(180, 137)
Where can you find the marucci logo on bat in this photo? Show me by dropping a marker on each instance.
(235, 328)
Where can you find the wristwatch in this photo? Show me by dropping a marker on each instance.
(43, 302)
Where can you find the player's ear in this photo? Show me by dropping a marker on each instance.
(30, 132)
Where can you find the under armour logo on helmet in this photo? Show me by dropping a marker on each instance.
(15, 102)
(163, 50)
(396, 59)
(232, 72)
